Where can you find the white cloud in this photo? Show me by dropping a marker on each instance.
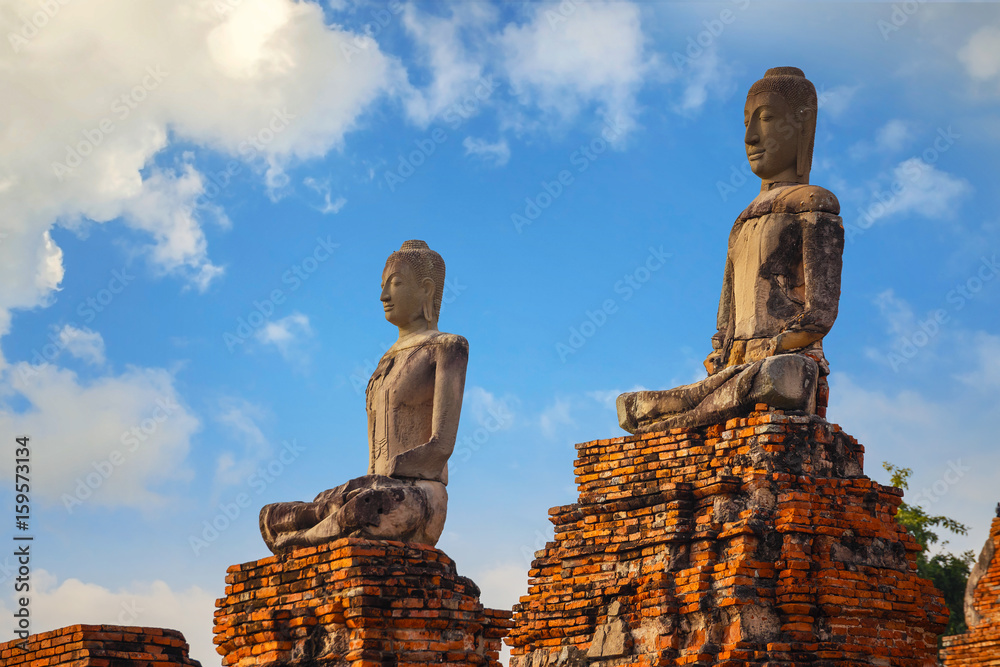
(703, 76)
(890, 138)
(445, 46)
(985, 377)
(114, 441)
(556, 417)
(480, 406)
(100, 90)
(83, 344)
(496, 154)
(151, 604)
(330, 205)
(591, 53)
(919, 188)
(981, 54)
(893, 136)
(836, 100)
(897, 313)
(287, 335)
(240, 419)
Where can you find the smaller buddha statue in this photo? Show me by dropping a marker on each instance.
(781, 285)
(413, 400)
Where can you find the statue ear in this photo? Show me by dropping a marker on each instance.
(802, 156)
(427, 285)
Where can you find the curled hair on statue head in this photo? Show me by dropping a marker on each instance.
(800, 94)
(425, 263)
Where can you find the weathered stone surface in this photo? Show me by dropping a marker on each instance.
(356, 603)
(754, 543)
(781, 284)
(99, 646)
(980, 645)
(414, 400)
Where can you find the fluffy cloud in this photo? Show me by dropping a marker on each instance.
(95, 92)
(151, 604)
(570, 56)
(287, 335)
(920, 188)
(241, 420)
(83, 344)
(330, 205)
(109, 442)
(981, 54)
(451, 48)
(496, 154)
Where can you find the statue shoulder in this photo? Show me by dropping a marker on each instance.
(807, 198)
(453, 343)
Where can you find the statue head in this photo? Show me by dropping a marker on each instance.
(413, 285)
(780, 116)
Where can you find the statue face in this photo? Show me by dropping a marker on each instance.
(403, 296)
(772, 137)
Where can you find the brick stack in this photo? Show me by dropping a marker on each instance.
(356, 603)
(757, 542)
(99, 646)
(980, 646)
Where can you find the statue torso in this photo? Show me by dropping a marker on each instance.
(400, 401)
(767, 261)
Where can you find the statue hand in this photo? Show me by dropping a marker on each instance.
(794, 340)
(407, 464)
(714, 362)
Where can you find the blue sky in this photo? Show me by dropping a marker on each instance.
(198, 198)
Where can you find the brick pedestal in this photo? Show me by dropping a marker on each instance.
(759, 542)
(99, 646)
(980, 646)
(356, 603)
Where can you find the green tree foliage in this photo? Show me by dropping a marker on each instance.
(948, 571)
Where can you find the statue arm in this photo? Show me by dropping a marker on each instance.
(427, 460)
(822, 258)
(716, 360)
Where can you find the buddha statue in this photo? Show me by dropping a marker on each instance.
(781, 284)
(413, 400)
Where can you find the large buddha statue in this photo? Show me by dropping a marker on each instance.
(781, 285)
(413, 399)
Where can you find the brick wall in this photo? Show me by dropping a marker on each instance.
(99, 646)
(980, 646)
(757, 542)
(357, 603)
